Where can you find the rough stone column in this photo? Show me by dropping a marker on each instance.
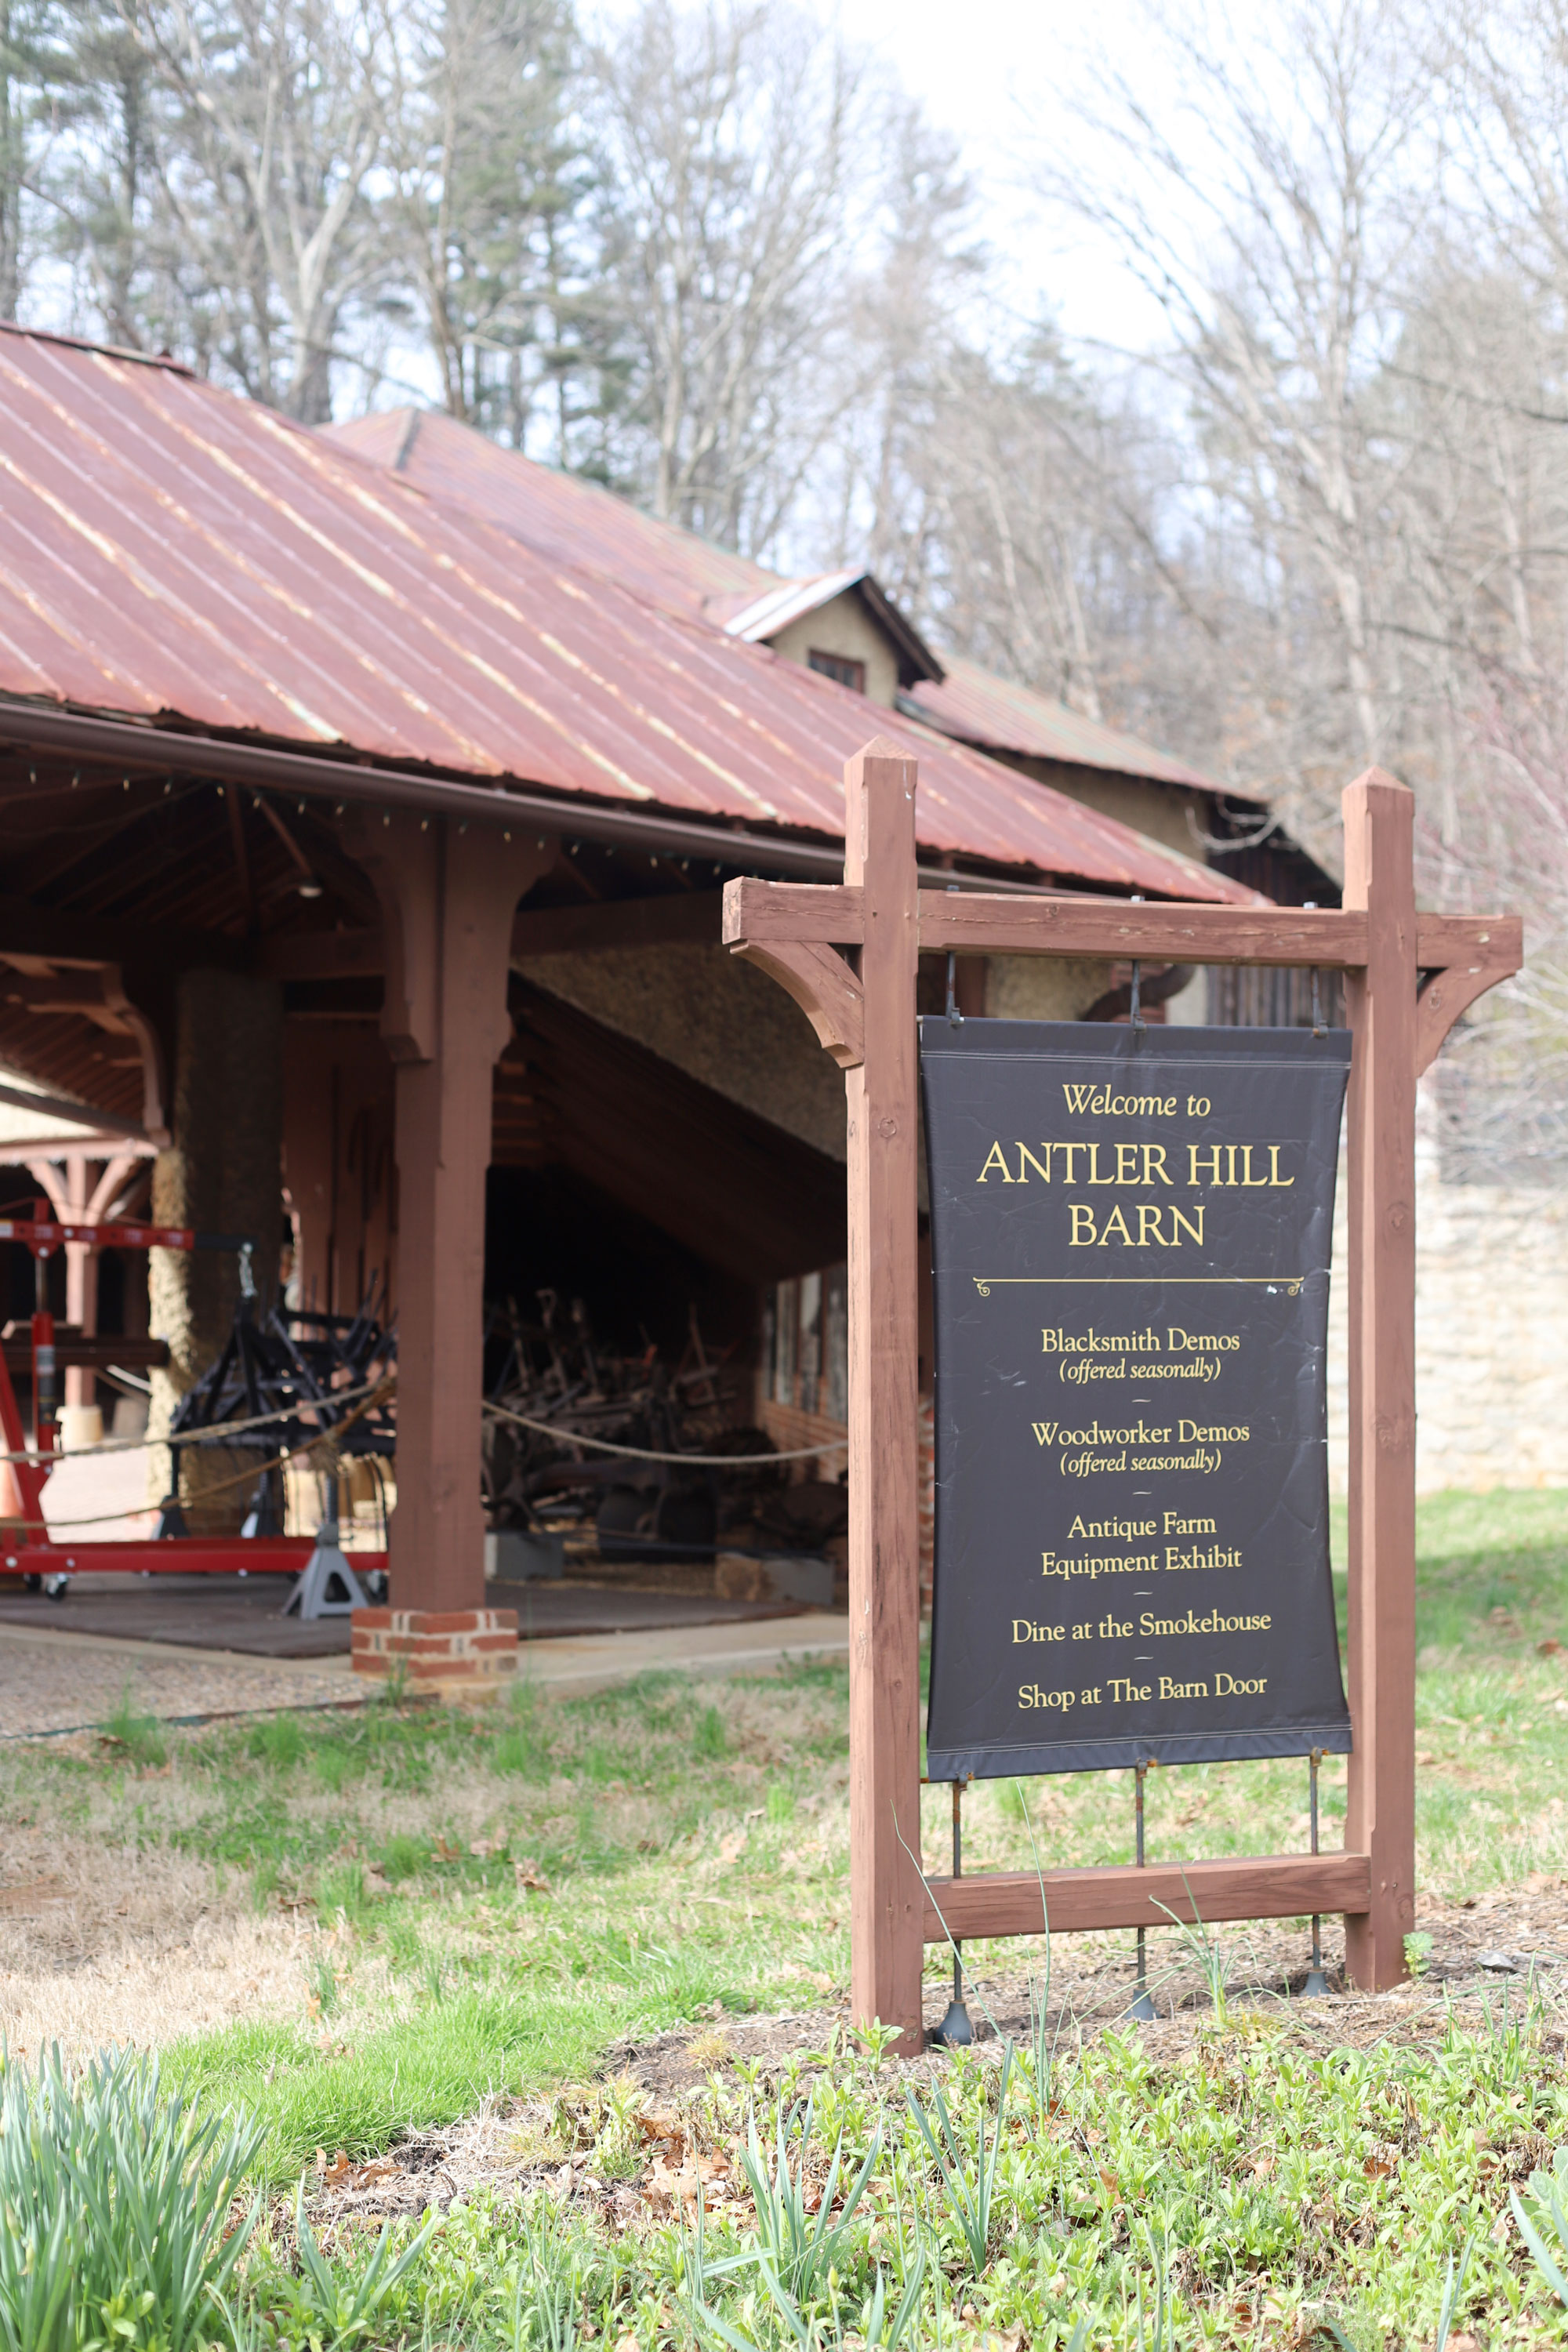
(223, 1172)
(449, 895)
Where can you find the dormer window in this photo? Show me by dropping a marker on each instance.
(848, 673)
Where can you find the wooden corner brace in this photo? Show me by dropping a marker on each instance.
(1449, 991)
(825, 988)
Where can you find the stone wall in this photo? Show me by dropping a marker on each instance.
(1491, 1333)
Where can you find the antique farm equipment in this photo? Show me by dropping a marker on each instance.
(300, 1376)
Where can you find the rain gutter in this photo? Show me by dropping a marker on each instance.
(57, 733)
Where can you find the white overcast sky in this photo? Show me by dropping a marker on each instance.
(996, 73)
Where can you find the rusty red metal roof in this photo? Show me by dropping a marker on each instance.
(169, 551)
(976, 707)
(580, 522)
(562, 515)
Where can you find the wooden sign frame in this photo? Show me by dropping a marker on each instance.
(848, 957)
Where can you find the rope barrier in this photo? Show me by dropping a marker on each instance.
(179, 1437)
(642, 1453)
(368, 1397)
(241, 1478)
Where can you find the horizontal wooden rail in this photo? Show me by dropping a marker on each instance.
(766, 913)
(1165, 934)
(1268, 1886)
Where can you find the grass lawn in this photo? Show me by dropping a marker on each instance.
(478, 1903)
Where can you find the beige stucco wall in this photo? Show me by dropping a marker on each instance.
(844, 628)
(1158, 810)
(716, 1018)
(1491, 1335)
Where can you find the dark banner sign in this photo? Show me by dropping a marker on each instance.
(1131, 1237)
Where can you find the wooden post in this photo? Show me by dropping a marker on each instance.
(887, 1900)
(449, 895)
(1381, 1814)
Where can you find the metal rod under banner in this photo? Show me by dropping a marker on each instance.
(1141, 2006)
(957, 2030)
(1317, 1982)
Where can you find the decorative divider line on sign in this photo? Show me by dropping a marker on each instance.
(1409, 976)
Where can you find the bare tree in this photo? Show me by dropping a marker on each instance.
(35, 68)
(735, 187)
(922, 265)
(1268, 211)
(273, 131)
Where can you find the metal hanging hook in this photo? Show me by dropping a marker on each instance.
(954, 1017)
(1135, 1016)
(1318, 1028)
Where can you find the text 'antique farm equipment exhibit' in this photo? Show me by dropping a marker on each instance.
(1130, 1243)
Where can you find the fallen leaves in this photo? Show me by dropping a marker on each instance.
(678, 2168)
(341, 2172)
(530, 1877)
(988, 2339)
(667, 2186)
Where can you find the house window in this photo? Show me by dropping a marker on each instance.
(848, 673)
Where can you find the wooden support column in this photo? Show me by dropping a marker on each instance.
(223, 1171)
(1381, 1814)
(448, 893)
(888, 1900)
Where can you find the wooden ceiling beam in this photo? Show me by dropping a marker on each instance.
(62, 935)
(673, 917)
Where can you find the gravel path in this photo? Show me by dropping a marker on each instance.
(53, 1681)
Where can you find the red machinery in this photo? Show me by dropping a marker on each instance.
(36, 1552)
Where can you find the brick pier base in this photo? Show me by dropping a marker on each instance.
(458, 1653)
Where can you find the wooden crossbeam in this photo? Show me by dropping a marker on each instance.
(1268, 1886)
(766, 914)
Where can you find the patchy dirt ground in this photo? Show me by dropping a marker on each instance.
(1487, 1950)
(661, 2089)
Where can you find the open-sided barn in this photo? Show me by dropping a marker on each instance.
(363, 852)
